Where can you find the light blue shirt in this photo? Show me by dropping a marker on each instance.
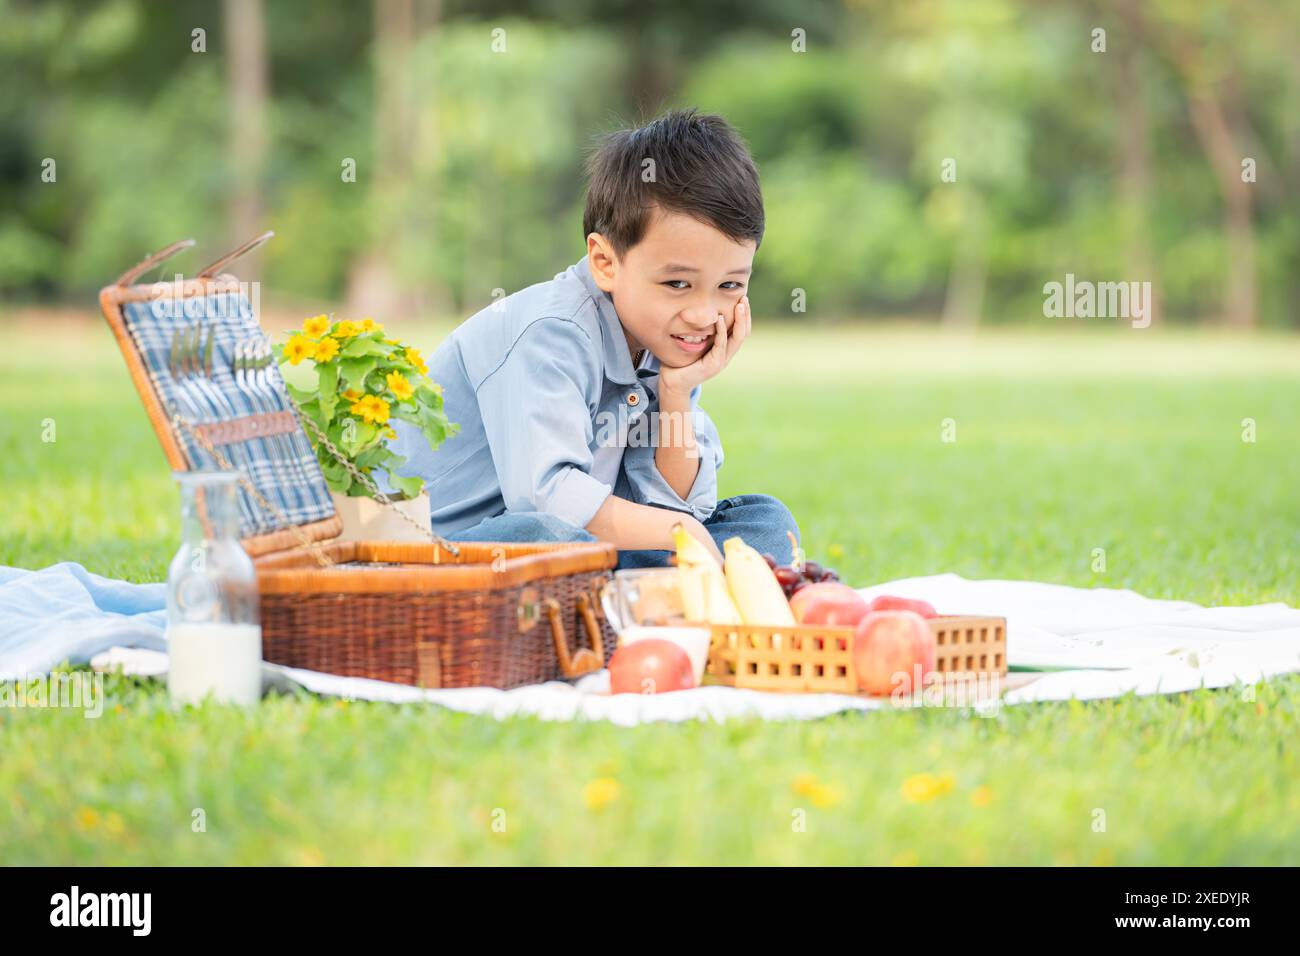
(553, 417)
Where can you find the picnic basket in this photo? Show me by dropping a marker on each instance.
(432, 614)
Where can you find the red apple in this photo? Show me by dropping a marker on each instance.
(650, 666)
(828, 602)
(892, 650)
(887, 602)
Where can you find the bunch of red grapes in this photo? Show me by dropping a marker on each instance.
(792, 579)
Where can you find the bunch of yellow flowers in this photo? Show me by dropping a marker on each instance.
(318, 342)
(363, 380)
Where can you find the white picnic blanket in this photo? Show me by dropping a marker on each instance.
(1094, 642)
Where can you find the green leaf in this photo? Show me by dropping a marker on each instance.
(433, 424)
(354, 440)
(363, 345)
(435, 432)
(329, 389)
(336, 476)
(355, 371)
(410, 486)
(429, 395)
(378, 455)
(300, 395)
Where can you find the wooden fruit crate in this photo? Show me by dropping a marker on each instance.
(812, 658)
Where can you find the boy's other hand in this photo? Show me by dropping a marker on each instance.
(632, 526)
(682, 380)
(696, 529)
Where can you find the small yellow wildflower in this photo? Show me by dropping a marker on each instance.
(399, 386)
(372, 408)
(822, 796)
(346, 329)
(352, 395)
(388, 432)
(87, 818)
(804, 783)
(326, 349)
(417, 360)
(311, 856)
(299, 348)
(370, 325)
(922, 787)
(600, 793)
(317, 326)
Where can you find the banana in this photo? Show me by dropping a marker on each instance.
(703, 586)
(754, 587)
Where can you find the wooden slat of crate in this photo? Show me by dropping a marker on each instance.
(970, 644)
(795, 662)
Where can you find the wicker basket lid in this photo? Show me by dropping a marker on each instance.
(180, 340)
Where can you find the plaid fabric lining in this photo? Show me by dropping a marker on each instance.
(283, 467)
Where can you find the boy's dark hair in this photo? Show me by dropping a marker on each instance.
(701, 168)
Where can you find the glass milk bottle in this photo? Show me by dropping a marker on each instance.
(214, 638)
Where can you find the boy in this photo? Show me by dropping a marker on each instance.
(578, 398)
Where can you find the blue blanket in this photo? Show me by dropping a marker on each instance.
(64, 612)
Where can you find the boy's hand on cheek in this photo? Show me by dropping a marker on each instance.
(680, 381)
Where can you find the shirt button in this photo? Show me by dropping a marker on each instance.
(633, 398)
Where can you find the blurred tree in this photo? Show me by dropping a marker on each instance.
(1133, 140)
(372, 281)
(841, 224)
(1215, 54)
(664, 41)
(498, 140)
(246, 78)
(974, 63)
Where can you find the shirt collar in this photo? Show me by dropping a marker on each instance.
(618, 358)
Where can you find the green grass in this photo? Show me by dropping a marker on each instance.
(1066, 442)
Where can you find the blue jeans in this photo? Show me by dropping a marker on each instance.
(761, 521)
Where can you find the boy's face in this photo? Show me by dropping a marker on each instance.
(670, 288)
